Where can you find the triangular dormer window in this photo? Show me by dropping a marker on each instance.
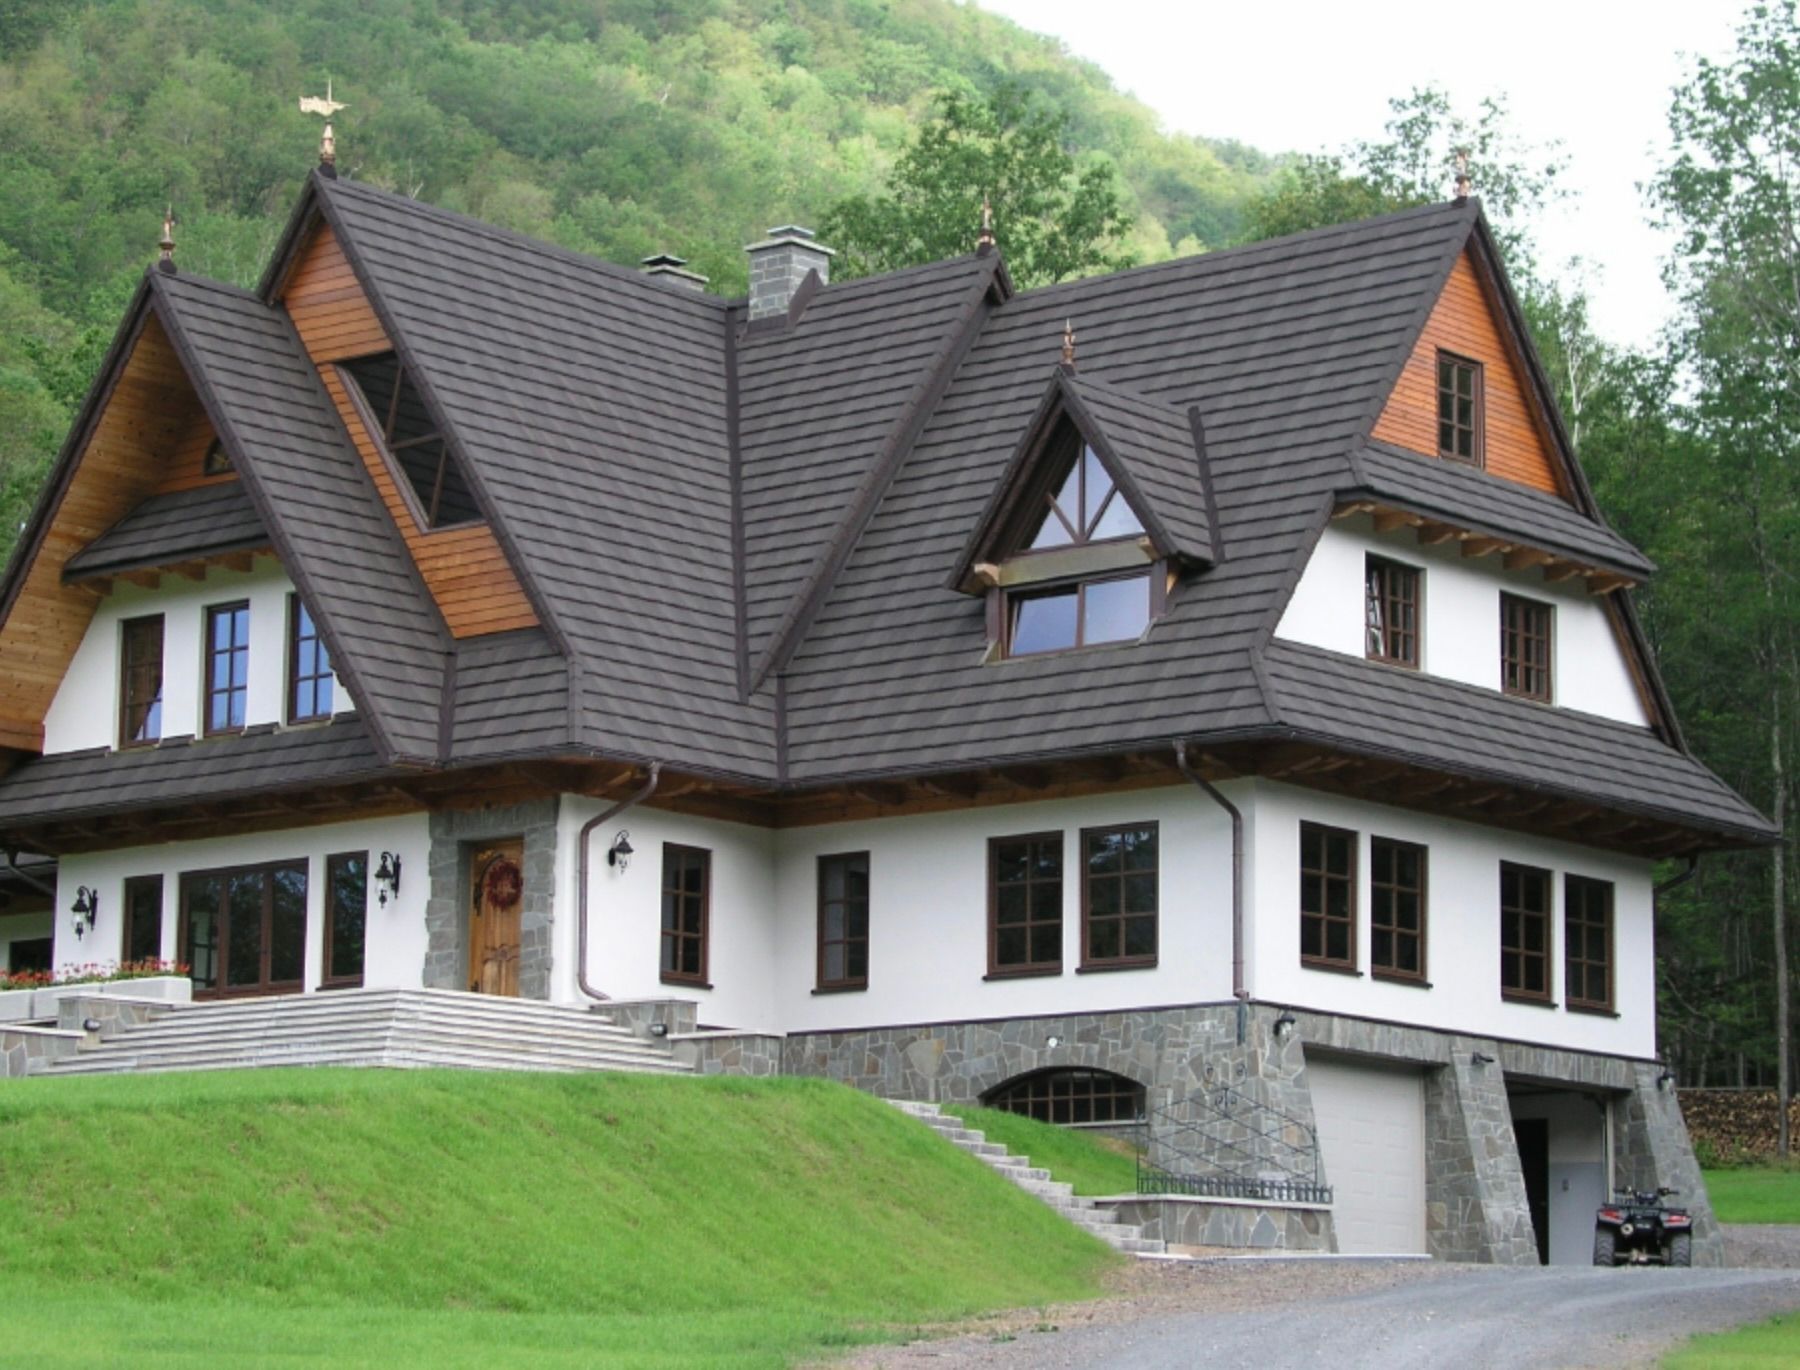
(429, 476)
(1087, 506)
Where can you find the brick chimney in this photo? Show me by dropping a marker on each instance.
(777, 266)
(672, 269)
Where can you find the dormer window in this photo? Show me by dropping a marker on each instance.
(1084, 614)
(427, 472)
(1086, 508)
(1459, 408)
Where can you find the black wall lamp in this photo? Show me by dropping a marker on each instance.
(85, 909)
(619, 854)
(1481, 1058)
(1666, 1079)
(1285, 1024)
(387, 878)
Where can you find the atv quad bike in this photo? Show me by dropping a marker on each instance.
(1638, 1228)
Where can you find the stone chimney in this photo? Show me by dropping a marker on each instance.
(673, 270)
(777, 266)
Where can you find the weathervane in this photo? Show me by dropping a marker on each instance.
(1463, 184)
(166, 244)
(985, 242)
(312, 104)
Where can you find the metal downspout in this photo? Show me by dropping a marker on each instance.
(1674, 882)
(581, 877)
(1238, 990)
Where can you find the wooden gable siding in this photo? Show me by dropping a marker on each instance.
(464, 568)
(151, 416)
(185, 468)
(1515, 444)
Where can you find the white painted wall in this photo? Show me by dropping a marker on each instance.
(625, 913)
(395, 953)
(1463, 927)
(85, 712)
(1461, 597)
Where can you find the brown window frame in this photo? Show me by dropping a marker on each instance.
(295, 676)
(1400, 588)
(133, 885)
(1388, 922)
(1011, 598)
(1010, 970)
(1547, 916)
(824, 982)
(679, 934)
(1517, 627)
(380, 432)
(1059, 1094)
(1123, 961)
(327, 979)
(1323, 873)
(263, 986)
(210, 652)
(1477, 454)
(216, 461)
(131, 671)
(1575, 985)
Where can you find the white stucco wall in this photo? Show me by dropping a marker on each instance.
(395, 950)
(1461, 613)
(1463, 927)
(85, 712)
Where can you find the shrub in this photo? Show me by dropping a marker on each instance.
(90, 973)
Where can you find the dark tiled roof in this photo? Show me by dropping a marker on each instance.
(1378, 710)
(296, 462)
(1156, 445)
(75, 784)
(184, 525)
(1489, 504)
(590, 403)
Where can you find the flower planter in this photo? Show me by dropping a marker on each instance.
(170, 989)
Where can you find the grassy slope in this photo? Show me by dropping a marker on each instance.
(611, 1219)
(1755, 1194)
(1093, 1164)
(1771, 1344)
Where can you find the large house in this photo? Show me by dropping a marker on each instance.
(1203, 697)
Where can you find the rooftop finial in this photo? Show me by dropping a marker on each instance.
(312, 104)
(166, 244)
(985, 242)
(1463, 184)
(1068, 350)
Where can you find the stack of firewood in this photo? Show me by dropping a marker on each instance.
(1734, 1126)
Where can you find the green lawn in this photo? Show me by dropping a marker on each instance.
(1094, 1164)
(1755, 1194)
(348, 1218)
(1775, 1343)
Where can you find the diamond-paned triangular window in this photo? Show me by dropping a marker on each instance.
(1087, 506)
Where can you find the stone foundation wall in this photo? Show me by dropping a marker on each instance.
(730, 1053)
(453, 832)
(21, 1046)
(1651, 1149)
(1211, 1222)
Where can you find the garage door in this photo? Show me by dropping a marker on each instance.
(1372, 1133)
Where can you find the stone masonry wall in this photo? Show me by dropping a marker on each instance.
(1651, 1149)
(1202, 1222)
(453, 832)
(1475, 1204)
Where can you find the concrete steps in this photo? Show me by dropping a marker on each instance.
(1034, 1180)
(394, 1028)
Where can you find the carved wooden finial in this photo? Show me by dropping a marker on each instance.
(985, 242)
(1068, 346)
(312, 104)
(166, 244)
(1463, 184)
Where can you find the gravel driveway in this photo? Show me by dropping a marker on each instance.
(1272, 1315)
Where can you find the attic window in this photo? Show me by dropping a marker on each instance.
(217, 461)
(1084, 614)
(430, 477)
(1459, 408)
(1086, 507)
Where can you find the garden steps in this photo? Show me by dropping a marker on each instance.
(1034, 1180)
(404, 1029)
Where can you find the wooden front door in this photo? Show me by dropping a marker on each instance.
(497, 892)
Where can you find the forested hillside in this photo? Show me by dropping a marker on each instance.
(619, 127)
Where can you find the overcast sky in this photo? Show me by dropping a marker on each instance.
(1311, 75)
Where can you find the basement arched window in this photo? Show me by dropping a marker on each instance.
(1070, 1096)
(393, 411)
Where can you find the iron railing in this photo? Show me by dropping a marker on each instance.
(1228, 1141)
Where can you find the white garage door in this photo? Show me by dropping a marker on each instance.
(1372, 1132)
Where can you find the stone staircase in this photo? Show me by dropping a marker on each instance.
(372, 1027)
(1034, 1180)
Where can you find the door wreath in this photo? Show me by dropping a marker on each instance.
(501, 884)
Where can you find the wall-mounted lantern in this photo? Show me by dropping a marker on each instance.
(1284, 1024)
(1481, 1058)
(387, 878)
(619, 854)
(84, 910)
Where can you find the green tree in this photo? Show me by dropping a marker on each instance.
(1053, 220)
